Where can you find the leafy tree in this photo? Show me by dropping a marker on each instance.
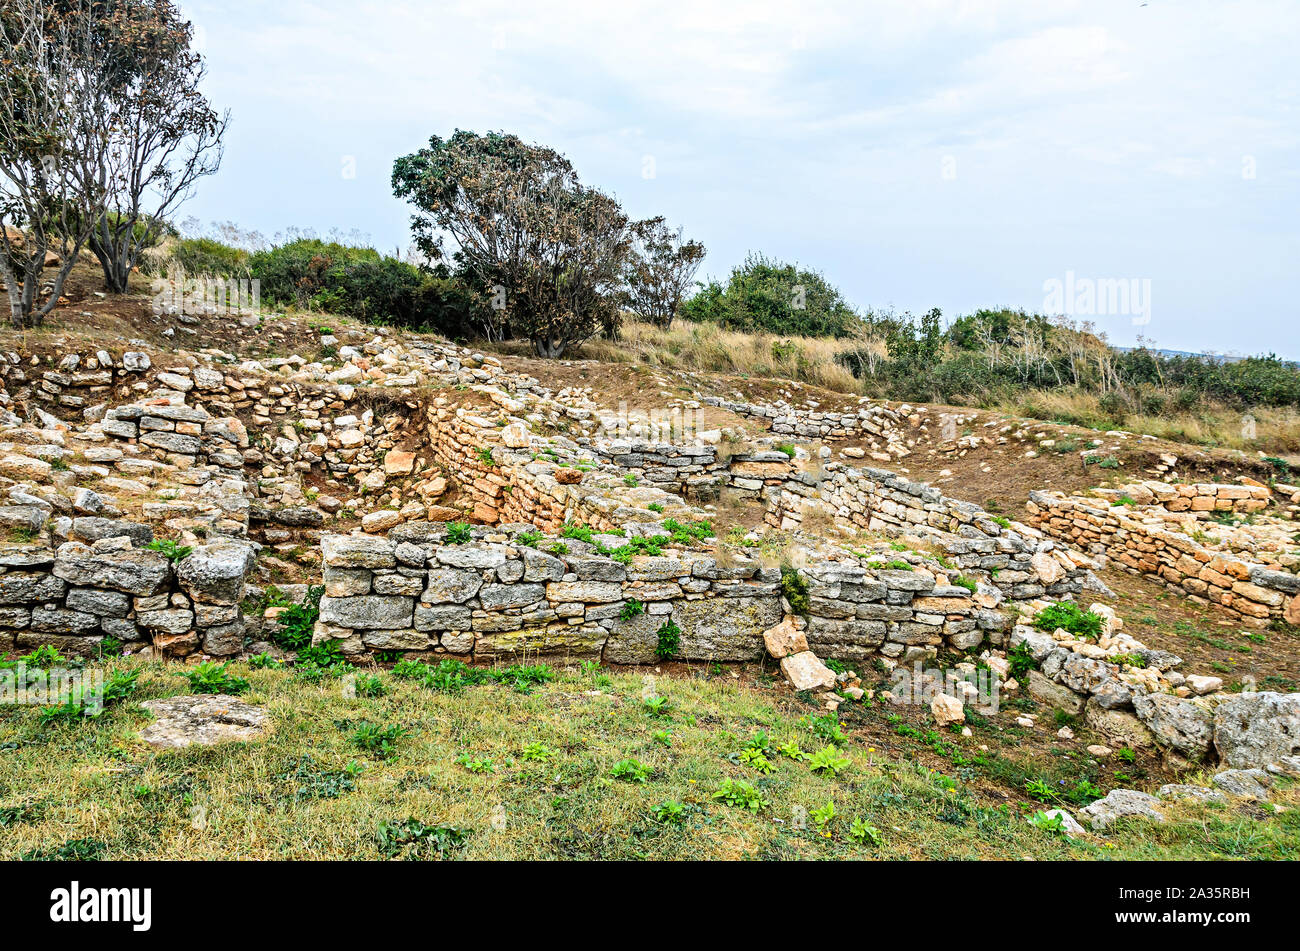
(764, 295)
(549, 251)
(145, 132)
(40, 185)
(660, 271)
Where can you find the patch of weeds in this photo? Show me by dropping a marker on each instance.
(536, 753)
(631, 771)
(863, 832)
(828, 759)
(297, 622)
(369, 685)
(1070, 617)
(669, 812)
(313, 782)
(583, 533)
(630, 610)
(656, 706)
(476, 764)
(529, 538)
(379, 741)
(74, 850)
(794, 588)
(412, 838)
(169, 549)
(668, 640)
(822, 818)
(827, 727)
(742, 795)
(458, 533)
(209, 677)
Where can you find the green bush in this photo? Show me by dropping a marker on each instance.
(360, 282)
(769, 296)
(1070, 617)
(207, 257)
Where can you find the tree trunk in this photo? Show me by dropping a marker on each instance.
(117, 274)
(550, 349)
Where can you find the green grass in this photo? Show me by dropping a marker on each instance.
(312, 789)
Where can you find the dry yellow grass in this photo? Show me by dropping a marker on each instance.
(709, 348)
(1275, 430)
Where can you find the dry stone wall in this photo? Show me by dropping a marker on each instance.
(79, 595)
(1255, 593)
(498, 597)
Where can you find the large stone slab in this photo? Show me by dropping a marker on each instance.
(368, 612)
(1254, 730)
(202, 720)
(1181, 725)
(131, 570)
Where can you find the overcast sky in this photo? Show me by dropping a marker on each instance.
(920, 153)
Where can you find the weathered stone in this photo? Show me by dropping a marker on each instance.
(1055, 695)
(202, 720)
(499, 596)
(1244, 783)
(168, 621)
(25, 587)
(395, 640)
(1181, 725)
(63, 621)
(1120, 727)
(357, 551)
(26, 556)
(459, 556)
(1119, 804)
(92, 529)
(1253, 730)
(345, 582)
(805, 671)
(215, 573)
(785, 639)
(172, 442)
(368, 612)
(725, 629)
(445, 617)
(584, 591)
(96, 601)
(130, 570)
(451, 585)
(1187, 791)
(947, 710)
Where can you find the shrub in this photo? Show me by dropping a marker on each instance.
(669, 640)
(207, 257)
(297, 622)
(360, 282)
(766, 295)
(1070, 617)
